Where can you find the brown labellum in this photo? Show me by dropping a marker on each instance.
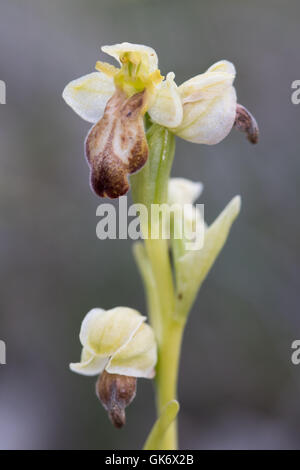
(116, 146)
(116, 392)
(245, 122)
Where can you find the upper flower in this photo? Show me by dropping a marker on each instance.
(201, 110)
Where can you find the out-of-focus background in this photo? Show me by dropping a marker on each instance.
(238, 388)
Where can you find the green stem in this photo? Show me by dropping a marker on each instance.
(158, 254)
(167, 376)
(154, 263)
(150, 186)
(153, 304)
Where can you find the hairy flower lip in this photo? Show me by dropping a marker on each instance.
(116, 146)
(246, 122)
(116, 392)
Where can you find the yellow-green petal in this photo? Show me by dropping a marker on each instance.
(166, 109)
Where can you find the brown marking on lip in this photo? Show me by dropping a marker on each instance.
(246, 122)
(116, 146)
(116, 392)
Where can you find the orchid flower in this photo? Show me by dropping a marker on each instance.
(120, 346)
(115, 99)
(118, 341)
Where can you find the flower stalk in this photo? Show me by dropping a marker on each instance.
(154, 262)
(167, 376)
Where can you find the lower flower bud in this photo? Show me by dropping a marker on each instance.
(116, 392)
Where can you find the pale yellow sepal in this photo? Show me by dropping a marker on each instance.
(88, 95)
(104, 332)
(118, 341)
(144, 53)
(209, 105)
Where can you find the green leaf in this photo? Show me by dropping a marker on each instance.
(161, 426)
(193, 267)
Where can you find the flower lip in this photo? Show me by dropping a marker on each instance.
(116, 146)
(116, 392)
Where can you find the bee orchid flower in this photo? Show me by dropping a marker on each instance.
(115, 99)
(120, 346)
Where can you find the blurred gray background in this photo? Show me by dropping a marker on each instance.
(238, 388)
